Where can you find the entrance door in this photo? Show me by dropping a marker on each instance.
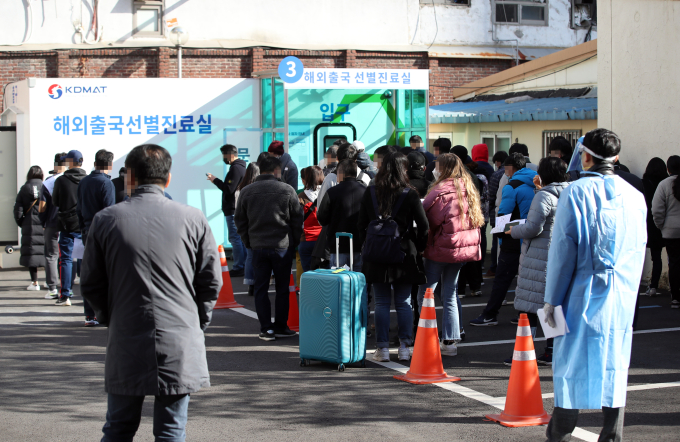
(325, 135)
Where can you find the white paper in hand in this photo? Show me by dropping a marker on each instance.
(78, 249)
(560, 323)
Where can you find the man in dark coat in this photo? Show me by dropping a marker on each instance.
(119, 185)
(441, 146)
(269, 219)
(151, 271)
(96, 192)
(339, 212)
(237, 170)
(416, 145)
(289, 171)
(65, 196)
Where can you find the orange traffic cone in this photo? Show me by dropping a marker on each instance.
(293, 312)
(226, 298)
(523, 404)
(426, 362)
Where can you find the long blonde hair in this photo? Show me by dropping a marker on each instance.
(452, 168)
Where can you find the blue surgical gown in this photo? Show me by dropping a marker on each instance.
(594, 266)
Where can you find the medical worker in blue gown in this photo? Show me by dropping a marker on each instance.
(594, 267)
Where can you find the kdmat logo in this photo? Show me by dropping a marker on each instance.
(55, 91)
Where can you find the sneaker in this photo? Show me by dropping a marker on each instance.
(33, 288)
(251, 290)
(63, 300)
(91, 321)
(268, 335)
(489, 274)
(545, 359)
(287, 333)
(462, 335)
(505, 302)
(52, 294)
(483, 321)
(650, 292)
(381, 355)
(236, 273)
(515, 320)
(675, 303)
(449, 349)
(76, 280)
(475, 293)
(404, 354)
(508, 362)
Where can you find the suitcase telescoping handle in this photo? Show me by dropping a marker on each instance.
(351, 249)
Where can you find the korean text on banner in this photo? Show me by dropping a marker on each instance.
(415, 79)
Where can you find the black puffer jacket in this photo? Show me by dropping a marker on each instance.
(32, 238)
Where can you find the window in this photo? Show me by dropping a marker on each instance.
(548, 135)
(146, 18)
(411, 115)
(446, 2)
(496, 141)
(527, 12)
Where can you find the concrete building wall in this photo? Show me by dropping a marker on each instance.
(639, 86)
(294, 23)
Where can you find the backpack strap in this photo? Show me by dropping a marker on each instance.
(310, 210)
(401, 199)
(515, 183)
(375, 201)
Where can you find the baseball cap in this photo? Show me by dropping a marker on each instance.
(74, 155)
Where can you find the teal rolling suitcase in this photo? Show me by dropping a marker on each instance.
(333, 315)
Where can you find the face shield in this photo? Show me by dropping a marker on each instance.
(575, 163)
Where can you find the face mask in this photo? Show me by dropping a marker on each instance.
(226, 161)
(436, 174)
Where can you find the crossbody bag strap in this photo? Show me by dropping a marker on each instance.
(310, 210)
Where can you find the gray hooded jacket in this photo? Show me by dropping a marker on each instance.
(536, 234)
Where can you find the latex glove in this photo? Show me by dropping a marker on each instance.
(549, 311)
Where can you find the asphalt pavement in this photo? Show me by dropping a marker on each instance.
(52, 389)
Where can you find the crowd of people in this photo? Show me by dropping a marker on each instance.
(577, 233)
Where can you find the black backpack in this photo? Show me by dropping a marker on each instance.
(383, 242)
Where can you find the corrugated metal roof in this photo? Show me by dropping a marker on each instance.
(538, 109)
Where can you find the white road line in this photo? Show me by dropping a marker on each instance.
(245, 293)
(499, 402)
(496, 402)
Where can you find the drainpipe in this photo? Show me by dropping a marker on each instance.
(497, 40)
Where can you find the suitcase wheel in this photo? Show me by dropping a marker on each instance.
(304, 362)
(341, 367)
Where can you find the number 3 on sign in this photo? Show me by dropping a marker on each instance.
(290, 69)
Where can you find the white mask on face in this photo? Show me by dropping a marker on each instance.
(436, 174)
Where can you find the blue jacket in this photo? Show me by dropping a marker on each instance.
(96, 192)
(516, 200)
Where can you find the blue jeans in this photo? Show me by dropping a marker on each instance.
(402, 304)
(249, 278)
(305, 250)
(237, 247)
(449, 294)
(280, 262)
(125, 412)
(66, 241)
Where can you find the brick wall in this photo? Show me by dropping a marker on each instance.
(445, 73)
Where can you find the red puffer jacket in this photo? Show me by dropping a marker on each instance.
(450, 240)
